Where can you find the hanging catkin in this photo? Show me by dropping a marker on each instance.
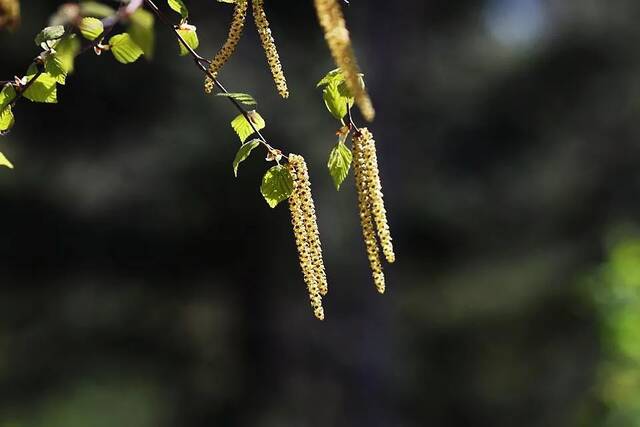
(365, 205)
(9, 14)
(337, 37)
(302, 214)
(269, 46)
(378, 210)
(229, 47)
(311, 224)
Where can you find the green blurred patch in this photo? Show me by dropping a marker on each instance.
(102, 402)
(615, 290)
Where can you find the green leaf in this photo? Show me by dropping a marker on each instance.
(5, 162)
(242, 127)
(7, 94)
(243, 154)
(189, 34)
(6, 119)
(242, 98)
(333, 76)
(95, 9)
(91, 28)
(60, 64)
(277, 185)
(49, 33)
(124, 49)
(141, 31)
(179, 6)
(339, 164)
(336, 103)
(43, 89)
(227, 1)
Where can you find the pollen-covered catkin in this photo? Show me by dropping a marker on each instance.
(337, 37)
(365, 207)
(311, 223)
(229, 47)
(269, 45)
(9, 14)
(304, 241)
(378, 210)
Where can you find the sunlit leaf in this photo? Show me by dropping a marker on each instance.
(189, 34)
(242, 127)
(277, 185)
(91, 28)
(243, 153)
(141, 31)
(124, 49)
(5, 162)
(339, 164)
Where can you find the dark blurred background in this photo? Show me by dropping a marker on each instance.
(142, 285)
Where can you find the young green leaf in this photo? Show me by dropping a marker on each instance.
(180, 7)
(277, 185)
(91, 28)
(5, 162)
(6, 119)
(67, 49)
(243, 154)
(333, 76)
(7, 94)
(95, 9)
(189, 34)
(141, 25)
(61, 63)
(43, 89)
(242, 98)
(49, 33)
(339, 164)
(242, 127)
(335, 102)
(124, 49)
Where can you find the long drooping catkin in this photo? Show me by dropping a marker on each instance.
(269, 46)
(304, 241)
(337, 37)
(378, 210)
(311, 224)
(365, 207)
(229, 47)
(9, 14)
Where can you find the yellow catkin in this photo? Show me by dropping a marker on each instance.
(337, 37)
(269, 46)
(311, 223)
(378, 209)
(9, 14)
(229, 47)
(303, 240)
(365, 207)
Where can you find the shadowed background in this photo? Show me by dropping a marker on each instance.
(142, 285)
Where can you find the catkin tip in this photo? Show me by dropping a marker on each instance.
(229, 47)
(269, 46)
(337, 36)
(307, 236)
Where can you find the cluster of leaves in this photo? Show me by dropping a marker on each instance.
(60, 44)
(339, 101)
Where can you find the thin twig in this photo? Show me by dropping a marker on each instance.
(198, 60)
